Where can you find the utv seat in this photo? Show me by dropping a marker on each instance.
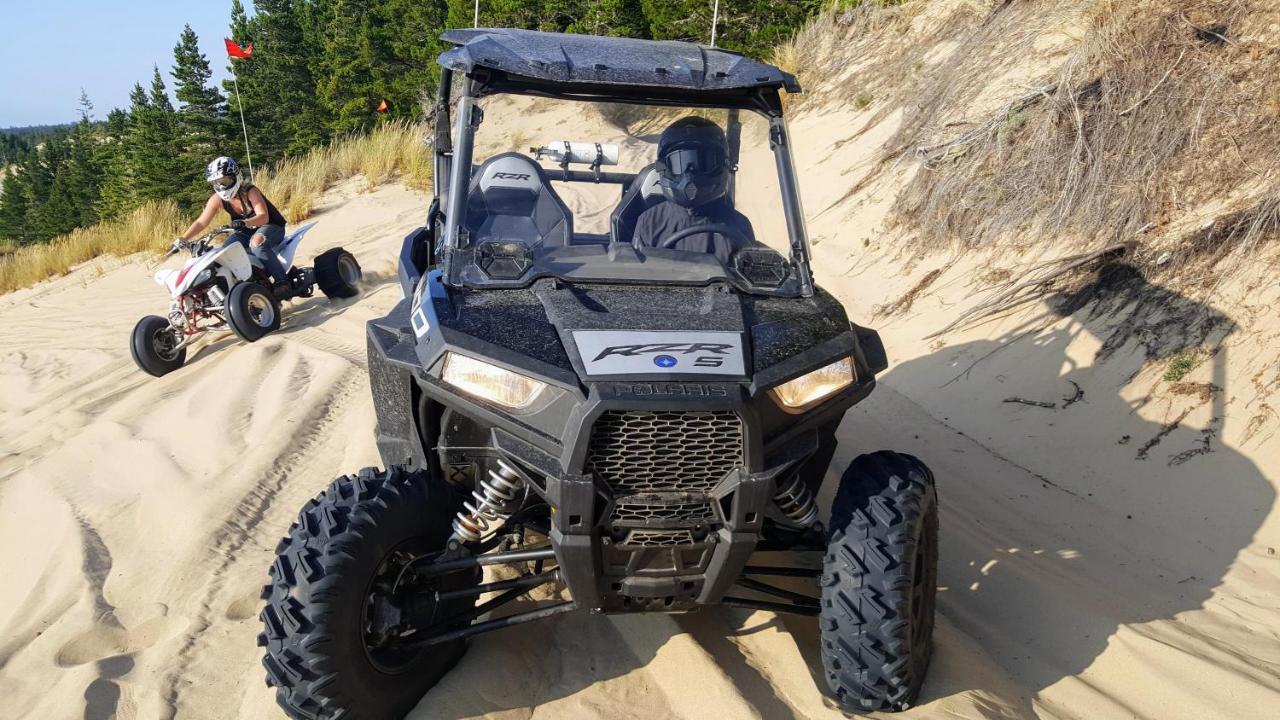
(511, 200)
(644, 193)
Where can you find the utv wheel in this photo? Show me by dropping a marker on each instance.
(879, 583)
(333, 646)
(152, 346)
(252, 311)
(338, 274)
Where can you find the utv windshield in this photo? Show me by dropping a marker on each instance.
(622, 193)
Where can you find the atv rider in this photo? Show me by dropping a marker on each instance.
(694, 176)
(258, 224)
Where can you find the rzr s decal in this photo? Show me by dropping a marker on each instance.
(706, 355)
(709, 354)
(641, 352)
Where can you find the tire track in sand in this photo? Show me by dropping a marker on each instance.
(244, 520)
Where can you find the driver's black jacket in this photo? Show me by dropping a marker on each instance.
(666, 218)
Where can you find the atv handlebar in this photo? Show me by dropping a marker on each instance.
(199, 247)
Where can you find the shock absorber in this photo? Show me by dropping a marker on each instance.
(796, 502)
(217, 298)
(492, 501)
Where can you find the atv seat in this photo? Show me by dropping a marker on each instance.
(644, 193)
(511, 200)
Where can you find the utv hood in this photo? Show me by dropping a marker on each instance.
(615, 332)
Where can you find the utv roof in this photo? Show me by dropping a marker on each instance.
(558, 63)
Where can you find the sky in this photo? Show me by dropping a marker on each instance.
(55, 47)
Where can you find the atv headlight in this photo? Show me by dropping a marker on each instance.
(490, 382)
(808, 390)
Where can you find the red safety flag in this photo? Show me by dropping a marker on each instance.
(383, 107)
(235, 51)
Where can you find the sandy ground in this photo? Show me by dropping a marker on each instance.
(1098, 559)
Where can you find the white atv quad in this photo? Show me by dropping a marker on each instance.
(224, 286)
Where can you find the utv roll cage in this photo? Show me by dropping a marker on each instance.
(592, 69)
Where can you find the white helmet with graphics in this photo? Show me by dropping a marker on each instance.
(224, 175)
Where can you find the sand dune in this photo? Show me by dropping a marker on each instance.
(1095, 563)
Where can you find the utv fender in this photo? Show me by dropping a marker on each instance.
(872, 348)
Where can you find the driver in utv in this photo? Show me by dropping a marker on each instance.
(694, 159)
(258, 224)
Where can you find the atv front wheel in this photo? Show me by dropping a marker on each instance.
(252, 311)
(338, 274)
(879, 583)
(338, 608)
(153, 346)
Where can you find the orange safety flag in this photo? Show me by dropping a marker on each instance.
(383, 107)
(235, 51)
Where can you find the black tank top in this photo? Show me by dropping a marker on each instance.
(273, 215)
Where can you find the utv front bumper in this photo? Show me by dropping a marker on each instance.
(658, 492)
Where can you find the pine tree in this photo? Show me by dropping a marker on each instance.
(119, 191)
(277, 85)
(413, 76)
(40, 168)
(58, 215)
(154, 147)
(347, 90)
(113, 162)
(82, 174)
(202, 115)
(460, 14)
(13, 208)
(46, 196)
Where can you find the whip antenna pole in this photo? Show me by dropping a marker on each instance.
(715, 20)
(240, 105)
(476, 23)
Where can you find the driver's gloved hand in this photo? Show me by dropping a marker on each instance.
(238, 225)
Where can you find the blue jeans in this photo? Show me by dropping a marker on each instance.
(273, 236)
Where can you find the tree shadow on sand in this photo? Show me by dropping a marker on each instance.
(1097, 519)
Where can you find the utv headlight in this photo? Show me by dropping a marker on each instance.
(808, 390)
(490, 382)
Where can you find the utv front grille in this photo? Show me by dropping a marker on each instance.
(661, 452)
(658, 538)
(648, 510)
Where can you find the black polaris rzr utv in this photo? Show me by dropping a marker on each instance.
(604, 424)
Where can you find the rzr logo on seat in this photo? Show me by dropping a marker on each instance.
(510, 176)
(707, 354)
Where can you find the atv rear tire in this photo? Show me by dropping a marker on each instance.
(252, 311)
(321, 598)
(879, 583)
(152, 346)
(338, 274)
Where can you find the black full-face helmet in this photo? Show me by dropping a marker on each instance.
(695, 159)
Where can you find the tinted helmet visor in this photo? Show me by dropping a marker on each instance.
(694, 160)
(226, 182)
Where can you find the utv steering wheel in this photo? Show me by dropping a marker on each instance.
(726, 231)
